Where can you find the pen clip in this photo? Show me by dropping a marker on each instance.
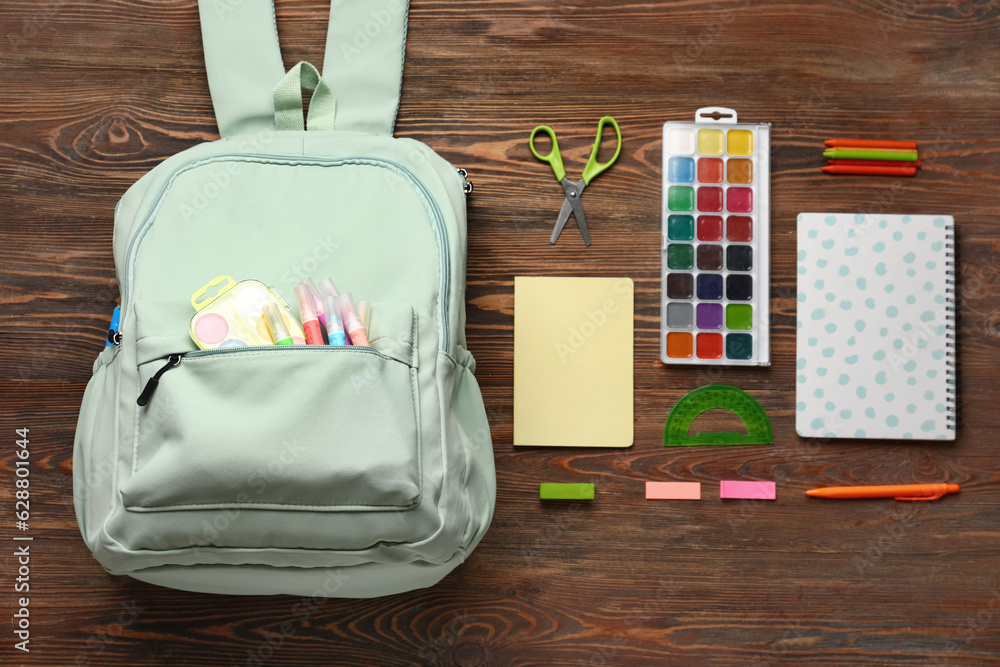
(939, 494)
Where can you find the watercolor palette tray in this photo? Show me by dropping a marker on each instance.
(716, 241)
(233, 317)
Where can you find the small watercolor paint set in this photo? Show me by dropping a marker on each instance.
(233, 317)
(716, 241)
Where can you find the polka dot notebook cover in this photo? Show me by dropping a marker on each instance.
(876, 337)
(716, 198)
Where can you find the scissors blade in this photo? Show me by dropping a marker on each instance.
(561, 220)
(571, 204)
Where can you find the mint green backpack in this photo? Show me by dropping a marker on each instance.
(308, 470)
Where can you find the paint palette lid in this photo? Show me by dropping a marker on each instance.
(230, 314)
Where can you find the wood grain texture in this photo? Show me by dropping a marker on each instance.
(94, 94)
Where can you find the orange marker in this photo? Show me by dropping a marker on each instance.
(353, 325)
(897, 491)
(871, 143)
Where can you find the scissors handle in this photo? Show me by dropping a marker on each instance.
(553, 157)
(594, 168)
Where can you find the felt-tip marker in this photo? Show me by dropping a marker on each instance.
(317, 300)
(276, 325)
(334, 327)
(352, 321)
(365, 312)
(307, 313)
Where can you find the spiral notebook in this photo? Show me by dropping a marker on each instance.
(876, 326)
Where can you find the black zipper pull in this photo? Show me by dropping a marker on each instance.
(173, 361)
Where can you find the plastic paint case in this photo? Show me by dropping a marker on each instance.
(234, 316)
(715, 278)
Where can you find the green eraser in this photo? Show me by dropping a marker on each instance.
(553, 491)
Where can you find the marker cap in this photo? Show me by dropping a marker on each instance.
(317, 300)
(329, 288)
(307, 307)
(365, 312)
(352, 321)
(335, 328)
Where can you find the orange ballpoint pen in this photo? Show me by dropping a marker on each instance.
(897, 491)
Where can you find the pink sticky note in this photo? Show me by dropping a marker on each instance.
(746, 490)
(673, 490)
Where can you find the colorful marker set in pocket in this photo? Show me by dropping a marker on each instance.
(716, 231)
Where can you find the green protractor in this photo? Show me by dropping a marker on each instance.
(717, 396)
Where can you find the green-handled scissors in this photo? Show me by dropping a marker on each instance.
(571, 204)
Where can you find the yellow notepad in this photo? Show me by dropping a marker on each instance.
(573, 362)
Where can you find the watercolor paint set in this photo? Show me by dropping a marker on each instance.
(716, 241)
(235, 315)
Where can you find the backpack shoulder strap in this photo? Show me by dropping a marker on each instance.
(363, 65)
(243, 61)
(365, 46)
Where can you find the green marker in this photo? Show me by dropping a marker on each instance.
(276, 325)
(554, 491)
(898, 156)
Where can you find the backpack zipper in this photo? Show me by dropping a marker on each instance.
(466, 183)
(147, 392)
(174, 360)
(437, 220)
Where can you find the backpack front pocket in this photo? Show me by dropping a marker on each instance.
(311, 428)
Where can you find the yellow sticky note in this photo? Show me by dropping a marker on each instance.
(573, 362)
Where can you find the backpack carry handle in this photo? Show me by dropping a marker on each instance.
(288, 100)
(363, 64)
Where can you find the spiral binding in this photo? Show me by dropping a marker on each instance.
(951, 315)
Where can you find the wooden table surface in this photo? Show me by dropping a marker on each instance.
(94, 94)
